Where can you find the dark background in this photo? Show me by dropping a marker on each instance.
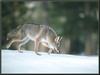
(75, 20)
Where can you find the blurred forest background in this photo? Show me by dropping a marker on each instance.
(75, 20)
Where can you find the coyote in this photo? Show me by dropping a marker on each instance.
(38, 34)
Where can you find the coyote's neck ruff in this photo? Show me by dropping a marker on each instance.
(38, 33)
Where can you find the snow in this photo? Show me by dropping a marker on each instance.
(28, 62)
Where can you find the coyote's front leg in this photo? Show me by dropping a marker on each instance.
(37, 40)
(50, 51)
(36, 45)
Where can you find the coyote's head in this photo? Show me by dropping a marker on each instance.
(58, 43)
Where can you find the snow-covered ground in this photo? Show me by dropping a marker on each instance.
(28, 62)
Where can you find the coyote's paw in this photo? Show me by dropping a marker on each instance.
(38, 54)
(49, 53)
(20, 51)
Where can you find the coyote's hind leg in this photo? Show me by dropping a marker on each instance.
(23, 43)
(11, 42)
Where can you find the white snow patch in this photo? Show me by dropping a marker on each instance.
(28, 62)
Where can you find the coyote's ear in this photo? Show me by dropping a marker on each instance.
(58, 38)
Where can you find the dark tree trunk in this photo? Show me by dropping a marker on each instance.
(76, 46)
(46, 17)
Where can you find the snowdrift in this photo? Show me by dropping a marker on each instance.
(28, 62)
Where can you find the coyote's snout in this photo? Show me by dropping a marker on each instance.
(38, 33)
